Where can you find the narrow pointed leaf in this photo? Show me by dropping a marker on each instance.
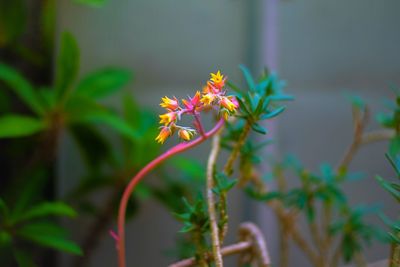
(103, 82)
(67, 64)
(248, 77)
(273, 113)
(49, 235)
(22, 88)
(46, 209)
(13, 125)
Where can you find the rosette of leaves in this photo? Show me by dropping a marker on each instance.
(196, 222)
(69, 103)
(353, 231)
(30, 220)
(259, 102)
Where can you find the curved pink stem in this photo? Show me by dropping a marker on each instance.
(141, 174)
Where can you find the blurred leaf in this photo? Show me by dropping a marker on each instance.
(191, 168)
(21, 87)
(30, 193)
(49, 235)
(92, 3)
(273, 113)
(46, 209)
(94, 147)
(5, 238)
(23, 259)
(89, 185)
(47, 97)
(395, 162)
(5, 102)
(142, 191)
(12, 125)
(248, 77)
(103, 82)
(394, 146)
(258, 128)
(113, 121)
(388, 187)
(67, 64)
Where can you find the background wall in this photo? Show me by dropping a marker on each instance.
(320, 47)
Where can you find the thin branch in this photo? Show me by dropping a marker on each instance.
(377, 135)
(216, 249)
(359, 121)
(228, 168)
(226, 251)
(249, 231)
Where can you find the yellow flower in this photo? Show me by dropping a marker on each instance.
(208, 98)
(218, 80)
(185, 134)
(163, 135)
(167, 118)
(228, 104)
(168, 103)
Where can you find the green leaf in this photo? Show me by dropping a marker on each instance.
(248, 77)
(5, 238)
(67, 64)
(23, 259)
(113, 121)
(49, 235)
(273, 113)
(46, 209)
(92, 3)
(13, 125)
(48, 98)
(93, 146)
(103, 82)
(388, 187)
(258, 128)
(394, 146)
(194, 170)
(21, 87)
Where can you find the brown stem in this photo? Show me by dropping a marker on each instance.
(377, 135)
(359, 121)
(337, 255)
(249, 231)
(98, 228)
(225, 251)
(210, 199)
(283, 246)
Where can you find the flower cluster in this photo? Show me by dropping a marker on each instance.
(213, 97)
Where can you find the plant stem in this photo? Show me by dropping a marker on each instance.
(226, 251)
(141, 174)
(228, 168)
(210, 199)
